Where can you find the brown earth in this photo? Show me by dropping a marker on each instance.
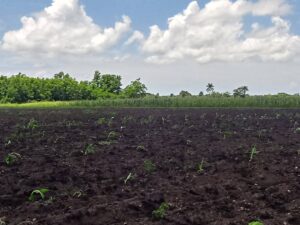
(90, 189)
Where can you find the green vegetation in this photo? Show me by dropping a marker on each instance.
(40, 192)
(32, 124)
(256, 223)
(149, 166)
(12, 158)
(253, 153)
(160, 213)
(274, 101)
(200, 166)
(62, 87)
(89, 150)
(128, 178)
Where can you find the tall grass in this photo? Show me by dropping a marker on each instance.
(193, 101)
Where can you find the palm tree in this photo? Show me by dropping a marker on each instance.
(210, 88)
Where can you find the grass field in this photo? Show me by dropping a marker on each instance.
(194, 101)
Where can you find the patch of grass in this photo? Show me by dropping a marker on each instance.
(12, 158)
(255, 223)
(266, 101)
(161, 212)
(149, 166)
(38, 192)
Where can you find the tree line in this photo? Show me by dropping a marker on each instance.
(62, 87)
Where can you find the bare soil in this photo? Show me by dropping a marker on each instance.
(87, 184)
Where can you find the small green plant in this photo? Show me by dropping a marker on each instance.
(200, 167)
(40, 192)
(113, 135)
(161, 212)
(226, 134)
(12, 158)
(128, 178)
(255, 223)
(101, 121)
(297, 130)
(149, 166)
(89, 150)
(253, 152)
(140, 148)
(32, 124)
(2, 221)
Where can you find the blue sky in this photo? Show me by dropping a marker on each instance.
(219, 49)
(143, 13)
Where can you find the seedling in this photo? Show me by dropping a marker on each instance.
(11, 158)
(253, 153)
(200, 167)
(256, 223)
(297, 130)
(40, 192)
(128, 178)
(112, 135)
(160, 213)
(140, 148)
(101, 121)
(2, 221)
(77, 194)
(149, 166)
(32, 124)
(89, 150)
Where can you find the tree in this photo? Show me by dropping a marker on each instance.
(201, 93)
(240, 92)
(135, 90)
(210, 88)
(107, 82)
(185, 94)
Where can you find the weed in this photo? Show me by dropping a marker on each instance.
(128, 178)
(200, 167)
(107, 143)
(141, 148)
(77, 194)
(101, 121)
(41, 192)
(149, 166)
(89, 150)
(11, 158)
(253, 152)
(297, 130)
(160, 213)
(32, 124)
(255, 223)
(2, 221)
(113, 135)
(226, 134)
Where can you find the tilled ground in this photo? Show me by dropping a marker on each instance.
(84, 157)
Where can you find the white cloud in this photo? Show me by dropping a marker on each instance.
(63, 28)
(216, 33)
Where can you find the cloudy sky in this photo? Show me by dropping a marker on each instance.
(171, 45)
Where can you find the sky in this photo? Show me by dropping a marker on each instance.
(171, 45)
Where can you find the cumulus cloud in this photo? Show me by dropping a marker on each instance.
(63, 28)
(217, 33)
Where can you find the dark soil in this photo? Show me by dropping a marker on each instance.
(90, 189)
